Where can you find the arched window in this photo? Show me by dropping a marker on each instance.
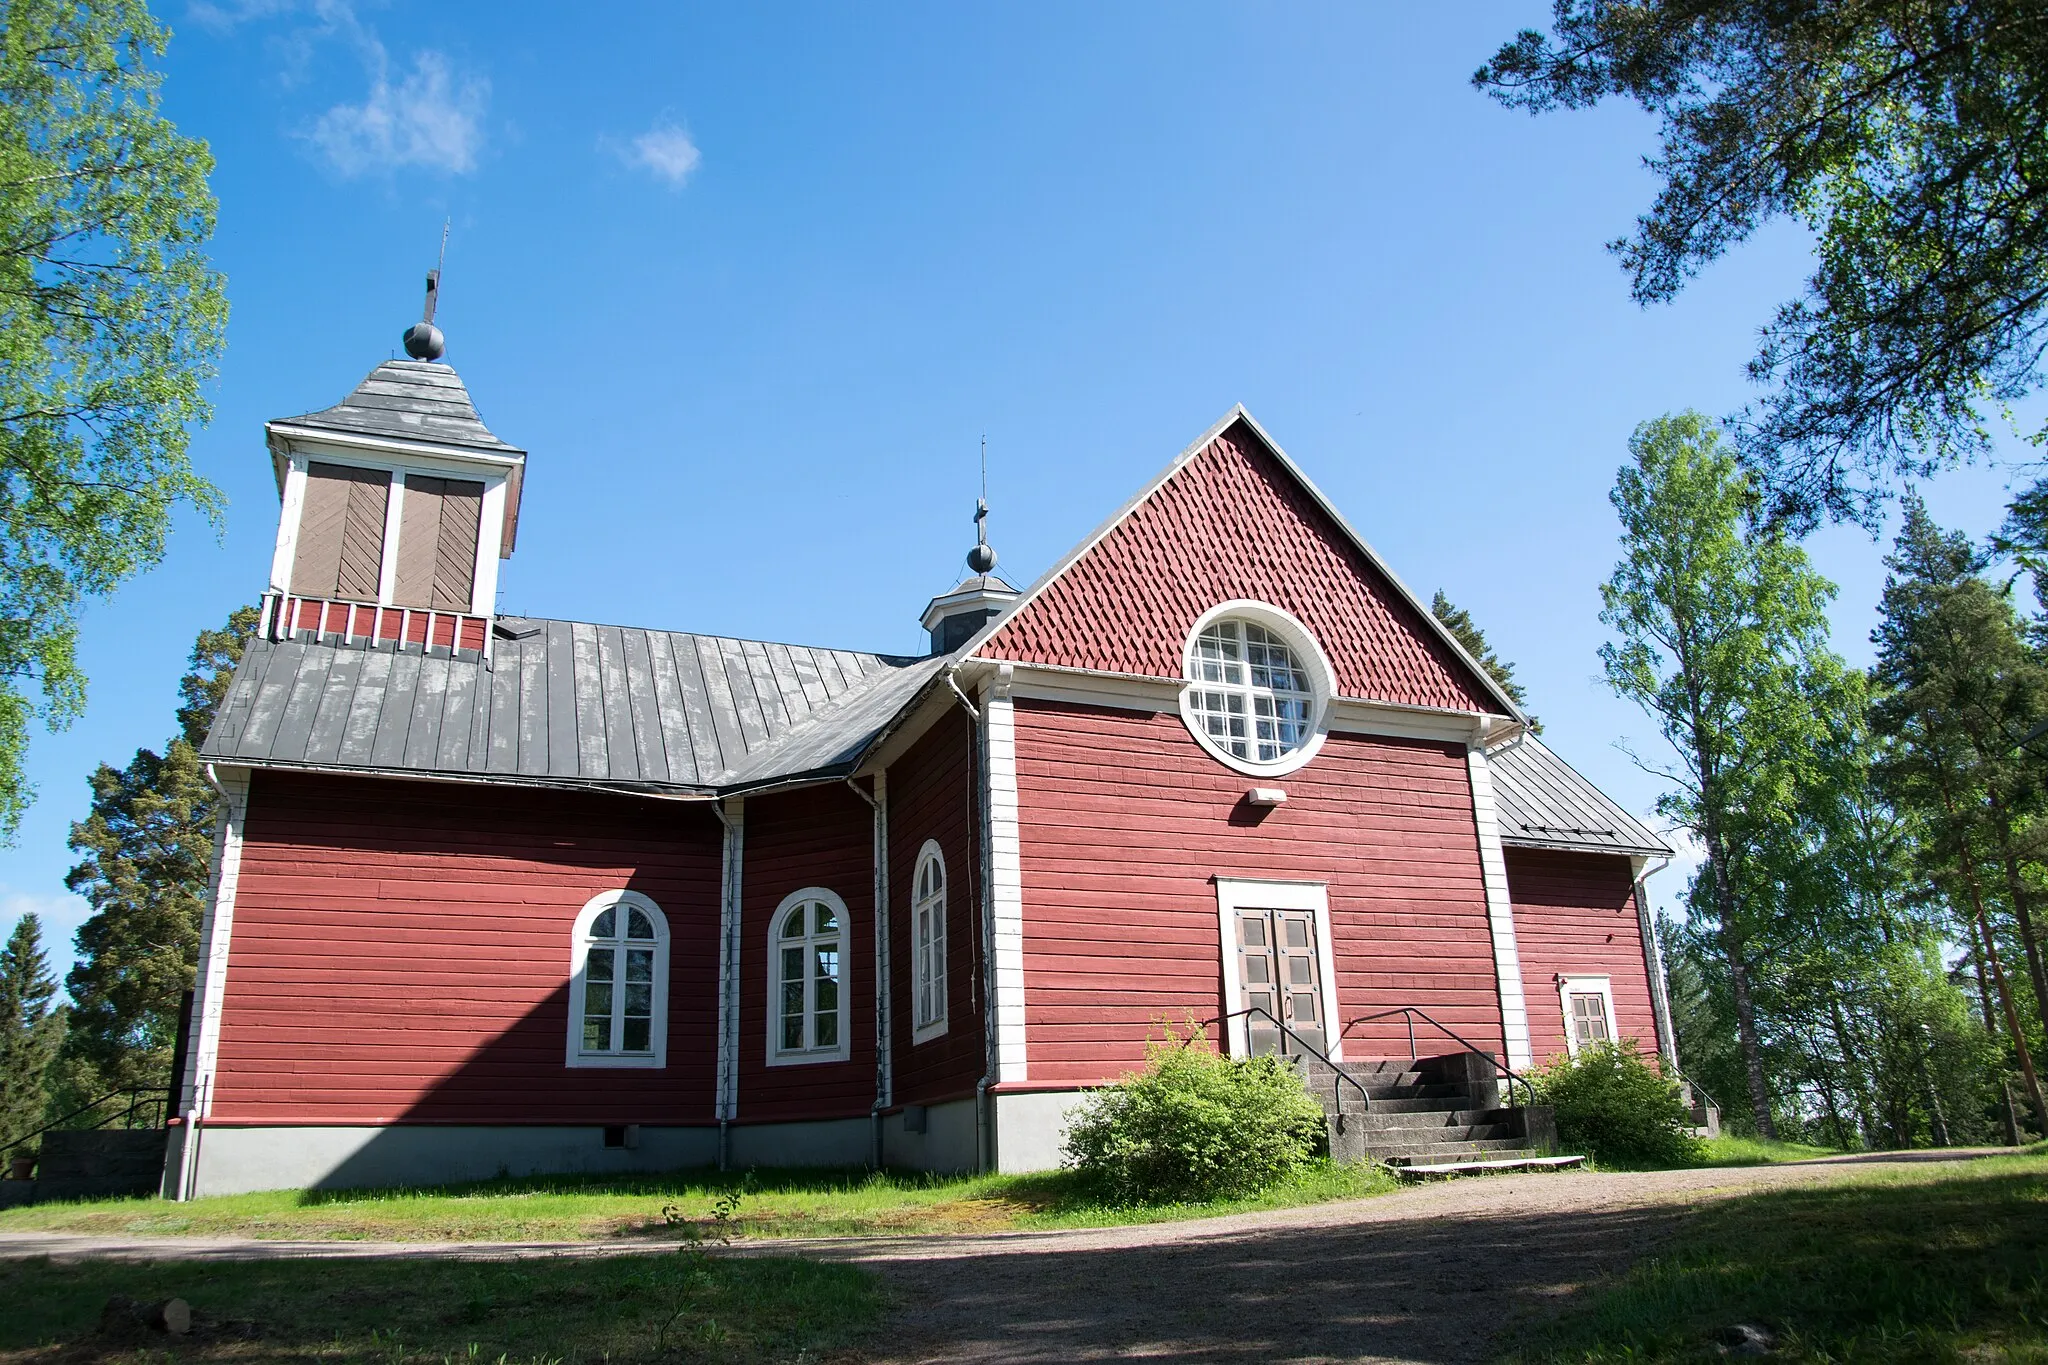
(618, 983)
(928, 944)
(808, 1017)
(1256, 688)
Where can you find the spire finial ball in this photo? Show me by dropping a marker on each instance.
(423, 341)
(981, 558)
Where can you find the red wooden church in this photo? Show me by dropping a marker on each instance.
(503, 894)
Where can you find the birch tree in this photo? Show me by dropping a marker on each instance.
(1720, 635)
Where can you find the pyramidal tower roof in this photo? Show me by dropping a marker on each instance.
(408, 400)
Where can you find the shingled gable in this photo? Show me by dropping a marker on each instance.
(1233, 517)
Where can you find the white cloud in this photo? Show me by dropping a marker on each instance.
(431, 119)
(666, 152)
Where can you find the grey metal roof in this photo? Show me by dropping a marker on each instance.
(566, 703)
(411, 400)
(1544, 802)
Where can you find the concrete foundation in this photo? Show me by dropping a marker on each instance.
(933, 1137)
(1030, 1128)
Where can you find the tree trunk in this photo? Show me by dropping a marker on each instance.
(2021, 911)
(2012, 1015)
(1937, 1119)
(1745, 1031)
(1858, 1067)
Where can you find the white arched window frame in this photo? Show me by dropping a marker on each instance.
(1257, 688)
(810, 1013)
(618, 983)
(928, 945)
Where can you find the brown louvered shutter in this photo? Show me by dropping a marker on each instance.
(340, 549)
(437, 542)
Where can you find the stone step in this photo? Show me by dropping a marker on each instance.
(1400, 1139)
(1443, 1169)
(1400, 1153)
(1390, 1128)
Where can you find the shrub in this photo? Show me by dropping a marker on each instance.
(1194, 1126)
(1615, 1104)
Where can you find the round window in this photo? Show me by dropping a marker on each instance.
(1256, 688)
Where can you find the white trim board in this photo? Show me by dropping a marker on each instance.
(1244, 893)
(216, 934)
(732, 814)
(1500, 913)
(1005, 881)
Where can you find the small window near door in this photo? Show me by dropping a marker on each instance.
(1588, 1011)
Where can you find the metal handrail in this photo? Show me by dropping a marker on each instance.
(1364, 1099)
(135, 1096)
(1410, 1011)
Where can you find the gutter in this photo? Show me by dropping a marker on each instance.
(878, 804)
(1653, 962)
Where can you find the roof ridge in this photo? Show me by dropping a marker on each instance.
(901, 660)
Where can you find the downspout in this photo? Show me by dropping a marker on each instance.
(884, 1079)
(1653, 961)
(732, 853)
(988, 1015)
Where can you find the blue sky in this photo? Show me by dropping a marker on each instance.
(751, 284)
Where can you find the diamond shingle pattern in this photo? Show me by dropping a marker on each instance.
(1231, 523)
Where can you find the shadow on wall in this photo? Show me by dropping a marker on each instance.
(506, 1104)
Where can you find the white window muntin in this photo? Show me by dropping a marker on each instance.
(1601, 986)
(810, 1015)
(618, 983)
(1260, 710)
(928, 945)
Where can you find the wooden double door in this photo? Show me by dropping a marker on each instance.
(1279, 972)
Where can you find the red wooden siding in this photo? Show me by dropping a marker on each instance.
(1575, 915)
(401, 953)
(931, 796)
(817, 836)
(1125, 821)
(358, 620)
(1231, 523)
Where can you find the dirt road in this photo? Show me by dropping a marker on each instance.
(1439, 1273)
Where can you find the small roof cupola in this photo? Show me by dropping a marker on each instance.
(398, 504)
(954, 617)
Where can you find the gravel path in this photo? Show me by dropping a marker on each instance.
(1432, 1273)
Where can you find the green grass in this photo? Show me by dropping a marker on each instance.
(775, 1204)
(1730, 1150)
(672, 1305)
(1890, 1264)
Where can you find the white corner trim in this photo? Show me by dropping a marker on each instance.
(1569, 986)
(394, 519)
(216, 931)
(1298, 637)
(777, 1056)
(1240, 893)
(932, 1028)
(732, 813)
(1005, 882)
(1500, 912)
(483, 597)
(579, 952)
(288, 516)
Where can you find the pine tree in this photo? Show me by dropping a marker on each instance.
(31, 1028)
(1961, 687)
(148, 847)
(1466, 632)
